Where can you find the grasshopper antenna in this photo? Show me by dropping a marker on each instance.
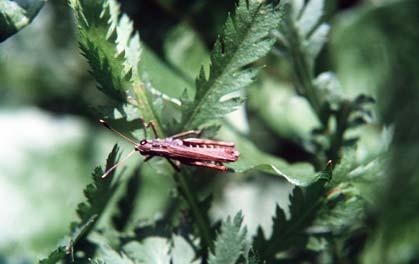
(117, 164)
(116, 131)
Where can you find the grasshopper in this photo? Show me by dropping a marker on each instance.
(182, 149)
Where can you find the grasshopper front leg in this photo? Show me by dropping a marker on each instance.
(147, 125)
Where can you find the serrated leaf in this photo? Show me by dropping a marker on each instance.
(99, 192)
(128, 42)
(110, 45)
(107, 255)
(244, 40)
(97, 22)
(113, 52)
(98, 195)
(66, 245)
(304, 37)
(253, 259)
(310, 17)
(124, 111)
(299, 51)
(182, 252)
(54, 256)
(297, 8)
(126, 204)
(15, 15)
(231, 241)
(289, 233)
(153, 250)
(317, 40)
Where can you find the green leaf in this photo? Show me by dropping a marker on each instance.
(289, 233)
(106, 41)
(128, 42)
(66, 245)
(124, 111)
(251, 158)
(297, 9)
(153, 68)
(98, 195)
(302, 38)
(15, 15)
(151, 250)
(185, 51)
(100, 191)
(113, 52)
(296, 122)
(301, 47)
(244, 40)
(329, 88)
(231, 241)
(182, 252)
(55, 256)
(107, 255)
(127, 202)
(96, 22)
(310, 17)
(317, 40)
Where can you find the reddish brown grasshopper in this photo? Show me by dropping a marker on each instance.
(189, 151)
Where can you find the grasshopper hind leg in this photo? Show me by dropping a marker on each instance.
(188, 133)
(218, 166)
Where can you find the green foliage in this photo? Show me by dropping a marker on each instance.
(15, 15)
(108, 255)
(151, 250)
(300, 174)
(300, 39)
(300, 117)
(99, 192)
(290, 233)
(66, 246)
(106, 42)
(393, 236)
(231, 242)
(244, 40)
(98, 195)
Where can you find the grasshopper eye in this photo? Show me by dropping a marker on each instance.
(143, 142)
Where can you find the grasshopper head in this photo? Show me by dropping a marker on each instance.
(144, 146)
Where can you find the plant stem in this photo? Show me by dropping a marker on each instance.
(303, 72)
(190, 198)
(303, 69)
(337, 139)
(144, 106)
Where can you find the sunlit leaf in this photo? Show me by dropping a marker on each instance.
(15, 15)
(301, 174)
(245, 39)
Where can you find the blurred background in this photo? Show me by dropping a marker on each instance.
(50, 139)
